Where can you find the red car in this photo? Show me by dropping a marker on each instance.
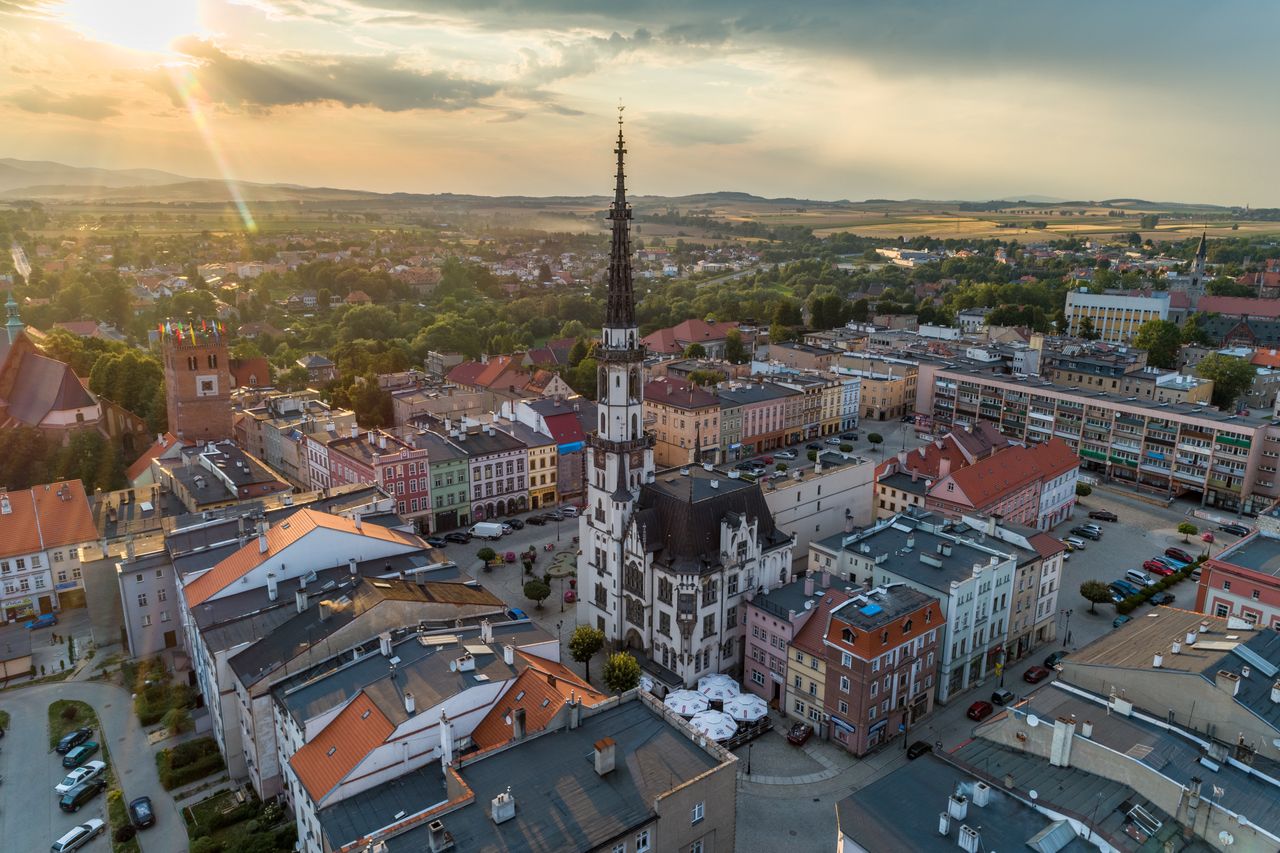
(1035, 675)
(1179, 554)
(799, 733)
(768, 460)
(1157, 568)
(979, 711)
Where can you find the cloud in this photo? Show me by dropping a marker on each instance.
(380, 82)
(40, 100)
(579, 57)
(692, 129)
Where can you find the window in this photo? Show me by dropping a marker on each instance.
(57, 556)
(696, 847)
(1225, 584)
(620, 847)
(699, 811)
(146, 620)
(757, 677)
(799, 657)
(798, 682)
(142, 599)
(642, 841)
(844, 707)
(39, 581)
(846, 659)
(871, 713)
(164, 615)
(844, 684)
(1255, 595)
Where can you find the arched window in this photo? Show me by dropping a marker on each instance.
(635, 426)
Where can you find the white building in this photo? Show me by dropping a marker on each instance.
(1115, 318)
(971, 575)
(838, 493)
(43, 533)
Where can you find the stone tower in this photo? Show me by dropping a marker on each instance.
(620, 452)
(197, 385)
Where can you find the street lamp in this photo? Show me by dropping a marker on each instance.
(749, 745)
(1004, 655)
(1066, 628)
(559, 625)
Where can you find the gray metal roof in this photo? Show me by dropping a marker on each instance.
(1260, 553)
(561, 804)
(1261, 653)
(388, 803)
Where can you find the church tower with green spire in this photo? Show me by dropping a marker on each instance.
(13, 323)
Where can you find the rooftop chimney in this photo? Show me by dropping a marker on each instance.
(508, 654)
(808, 585)
(575, 711)
(604, 755)
(384, 643)
(958, 806)
(437, 838)
(355, 431)
(409, 706)
(273, 586)
(1064, 730)
(356, 519)
(486, 631)
(446, 740)
(1275, 693)
(300, 599)
(326, 610)
(351, 566)
(263, 546)
(517, 723)
(503, 807)
(1226, 681)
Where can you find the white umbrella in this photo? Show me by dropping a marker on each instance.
(746, 707)
(718, 687)
(716, 725)
(646, 684)
(686, 703)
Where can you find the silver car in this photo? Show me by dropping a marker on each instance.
(80, 774)
(78, 837)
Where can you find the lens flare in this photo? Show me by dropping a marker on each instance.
(192, 94)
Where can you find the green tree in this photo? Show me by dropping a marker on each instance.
(861, 311)
(1231, 377)
(876, 439)
(486, 556)
(1161, 339)
(578, 352)
(176, 720)
(1186, 528)
(621, 672)
(1083, 490)
(705, 377)
(537, 591)
(1085, 329)
(695, 350)
(1148, 222)
(1095, 592)
(734, 351)
(583, 645)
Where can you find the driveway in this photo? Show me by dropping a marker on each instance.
(30, 818)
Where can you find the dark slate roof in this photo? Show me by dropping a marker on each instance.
(561, 804)
(754, 392)
(679, 515)
(904, 483)
(368, 811)
(899, 812)
(439, 449)
(1263, 332)
(45, 385)
(480, 443)
(1262, 654)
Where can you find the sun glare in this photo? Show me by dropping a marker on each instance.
(145, 25)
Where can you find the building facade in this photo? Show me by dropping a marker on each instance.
(888, 385)
(685, 422)
(43, 533)
(1115, 318)
(197, 386)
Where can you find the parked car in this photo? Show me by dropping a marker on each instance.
(437, 541)
(1054, 659)
(458, 537)
(515, 614)
(1234, 527)
(799, 733)
(536, 519)
(79, 795)
(768, 460)
(1035, 674)
(516, 524)
(1070, 546)
(75, 738)
(141, 813)
(744, 466)
(1117, 597)
(980, 710)
(80, 774)
(507, 529)
(1124, 588)
(1002, 696)
(1207, 536)
(48, 620)
(1161, 598)
(1104, 515)
(813, 445)
(1075, 542)
(569, 511)
(1157, 567)
(918, 749)
(833, 441)
(785, 454)
(78, 837)
(1120, 620)
(1087, 533)
(1096, 528)
(78, 755)
(848, 436)
(555, 515)
(1179, 554)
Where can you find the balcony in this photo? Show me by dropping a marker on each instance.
(1194, 448)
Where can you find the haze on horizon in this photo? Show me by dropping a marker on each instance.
(1159, 99)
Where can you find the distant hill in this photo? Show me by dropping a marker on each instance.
(15, 174)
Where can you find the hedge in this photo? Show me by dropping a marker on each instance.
(1128, 605)
(187, 762)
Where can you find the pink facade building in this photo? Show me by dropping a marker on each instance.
(382, 458)
(772, 621)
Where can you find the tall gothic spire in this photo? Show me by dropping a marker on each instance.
(1202, 250)
(621, 310)
(13, 323)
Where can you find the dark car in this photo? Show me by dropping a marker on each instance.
(1162, 598)
(813, 445)
(141, 813)
(76, 738)
(536, 519)
(457, 537)
(799, 733)
(1178, 554)
(78, 755)
(1234, 527)
(1087, 533)
(853, 436)
(980, 710)
(1054, 659)
(1120, 620)
(1035, 675)
(79, 795)
(1002, 696)
(437, 541)
(516, 524)
(918, 749)
(1103, 515)
(554, 515)
(1124, 587)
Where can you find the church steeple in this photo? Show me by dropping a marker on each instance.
(13, 323)
(621, 310)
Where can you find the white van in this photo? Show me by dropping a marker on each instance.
(1139, 577)
(487, 530)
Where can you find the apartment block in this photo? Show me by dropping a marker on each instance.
(1115, 318)
(1229, 461)
(888, 385)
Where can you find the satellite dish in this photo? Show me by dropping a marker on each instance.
(1226, 838)
(1033, 794)
(1033, 720)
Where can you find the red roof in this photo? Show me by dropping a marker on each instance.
(340, 746)
(140, 465)
(1239, 306)
(678, 393)
(811, 636)
(677, 337)
(541, 689)
(1265, 358)
(47, 516)
(250, 372)
(986, 481)
(565, 428)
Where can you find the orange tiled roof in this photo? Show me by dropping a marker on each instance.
(279, 537)
(537, 695)
(341, 746)
(1265, 358)
(811, 636)
(48, 516)
(140, 464)
(1011, 469)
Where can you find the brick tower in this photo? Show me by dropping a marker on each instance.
(197, 387)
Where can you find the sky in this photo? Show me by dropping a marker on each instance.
(1166, 100)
